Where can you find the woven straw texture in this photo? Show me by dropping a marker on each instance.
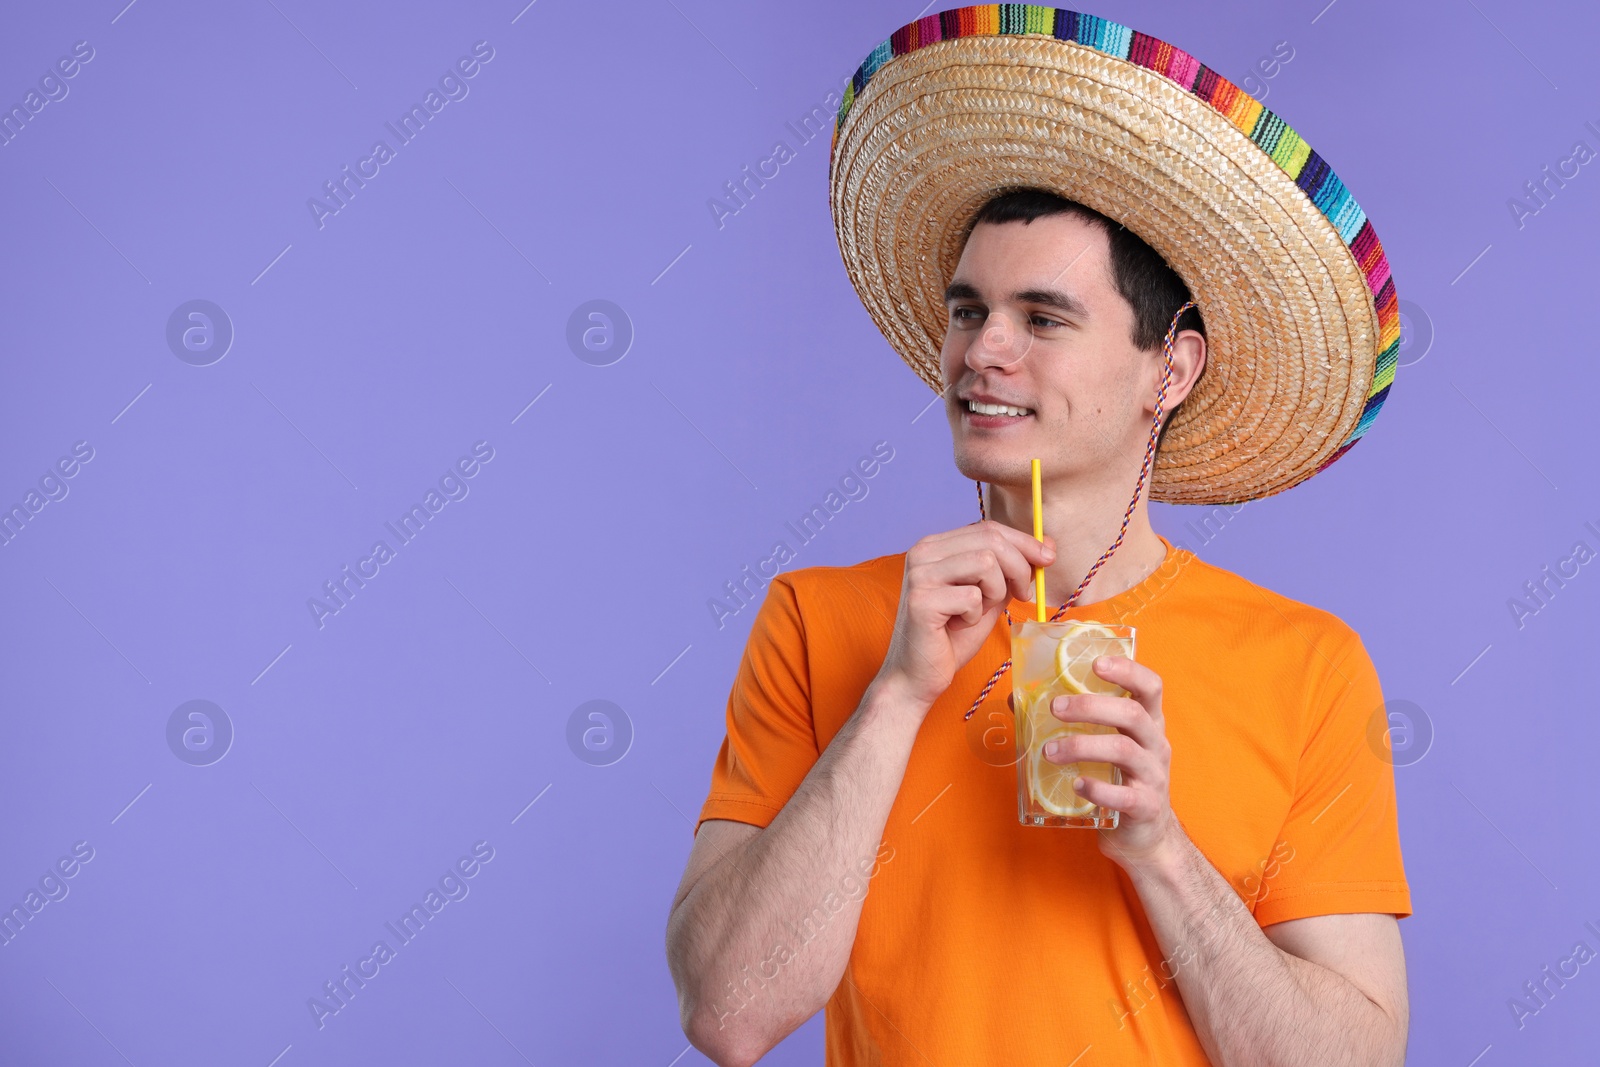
(1301, 319)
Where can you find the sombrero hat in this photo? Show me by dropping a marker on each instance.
(1302, 325)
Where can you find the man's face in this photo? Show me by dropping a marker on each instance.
(1036, 322)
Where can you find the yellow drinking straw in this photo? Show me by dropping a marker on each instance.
(1038, 534)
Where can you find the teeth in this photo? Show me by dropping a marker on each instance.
(996, 409)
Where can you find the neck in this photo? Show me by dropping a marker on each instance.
(1083, 520)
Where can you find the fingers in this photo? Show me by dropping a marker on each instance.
(964, 602)
(1142, 683)
(1123, 798)
(1119, 750)
(995, 534)
(1122, 713)
(980, 568)
(1015, 553)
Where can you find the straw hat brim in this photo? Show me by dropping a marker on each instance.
(1301, 321)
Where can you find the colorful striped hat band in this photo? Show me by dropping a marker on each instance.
(1127, 516)
(1301, 318)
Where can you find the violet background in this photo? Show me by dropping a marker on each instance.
(427, 314)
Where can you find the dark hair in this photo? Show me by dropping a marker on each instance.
(1152, 289)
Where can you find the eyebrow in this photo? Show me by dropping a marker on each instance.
(1055, 298)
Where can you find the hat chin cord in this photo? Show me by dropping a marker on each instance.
(1127, 516)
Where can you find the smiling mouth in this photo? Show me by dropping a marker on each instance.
(975, 407)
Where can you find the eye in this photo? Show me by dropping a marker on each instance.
(967, 314)
(1042, 320)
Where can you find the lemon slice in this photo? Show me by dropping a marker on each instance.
(1075, 655)
(1051, 783)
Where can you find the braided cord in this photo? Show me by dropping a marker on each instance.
(1127, 516)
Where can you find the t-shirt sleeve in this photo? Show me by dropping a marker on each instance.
(771, 741)
(1339, 849)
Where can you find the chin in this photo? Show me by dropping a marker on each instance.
(993, 464)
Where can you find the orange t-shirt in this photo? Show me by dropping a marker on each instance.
(984, 941)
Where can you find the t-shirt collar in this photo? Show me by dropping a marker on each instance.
(1126, 603)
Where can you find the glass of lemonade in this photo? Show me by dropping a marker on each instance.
(1051, 659)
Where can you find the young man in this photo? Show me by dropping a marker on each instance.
(1244, 908)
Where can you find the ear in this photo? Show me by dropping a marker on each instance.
(1188, 361)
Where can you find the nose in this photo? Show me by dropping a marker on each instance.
(999, 344)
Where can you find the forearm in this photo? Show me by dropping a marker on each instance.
(1251, 1003)
(761, 941)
